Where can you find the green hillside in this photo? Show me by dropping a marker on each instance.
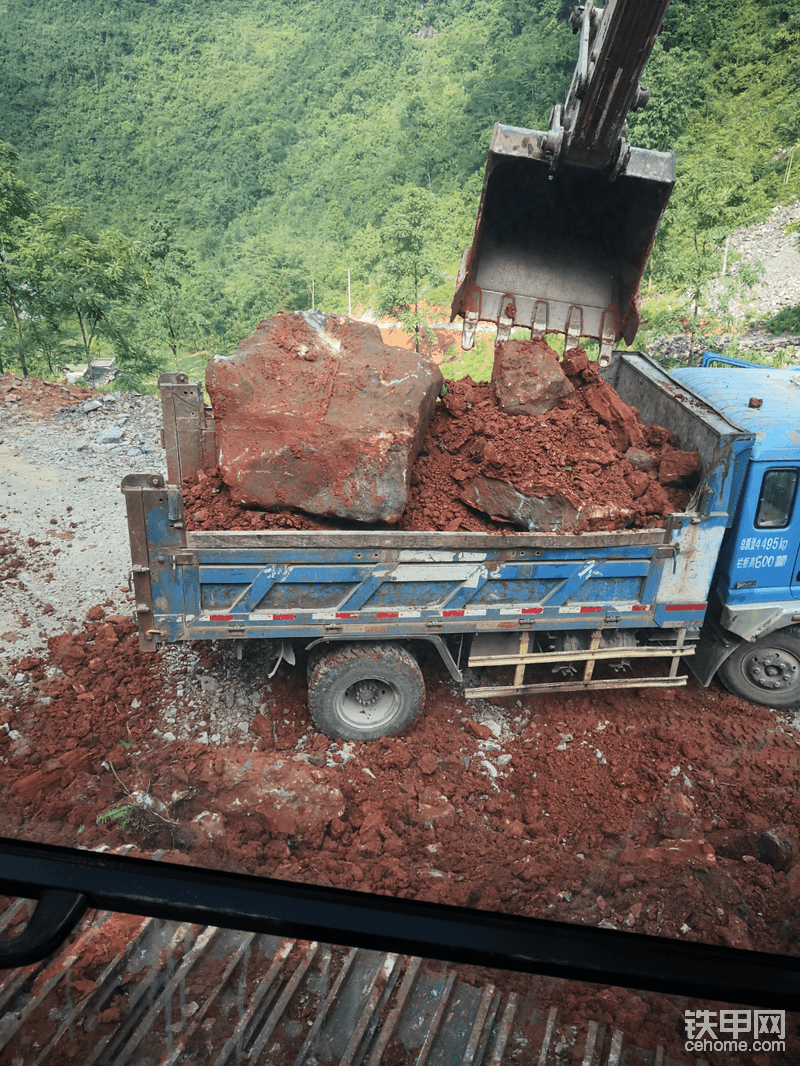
(186, 168)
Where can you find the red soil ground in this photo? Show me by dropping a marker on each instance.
(38, 398)
(670, 812)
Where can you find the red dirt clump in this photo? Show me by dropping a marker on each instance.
(577, 449)
(38, 398)
(208, 505)
(11, 558)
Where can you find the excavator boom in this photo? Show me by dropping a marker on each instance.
(568, 217)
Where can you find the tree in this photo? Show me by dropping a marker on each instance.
(408, 237)
(61, 283)
(91, 281)
(677, 82)
(176, 314)
(126, 105)
(16, 206)
(278, 280)
(709, 202)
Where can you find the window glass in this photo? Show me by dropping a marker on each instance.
(777, 497)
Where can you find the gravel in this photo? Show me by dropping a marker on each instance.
(64, 549)
(770, 245)
(63, 515)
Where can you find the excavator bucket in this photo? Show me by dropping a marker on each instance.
(560, 252)
(568, 217)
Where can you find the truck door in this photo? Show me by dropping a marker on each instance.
(766, 552)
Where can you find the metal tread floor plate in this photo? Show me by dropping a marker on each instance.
(128, 991)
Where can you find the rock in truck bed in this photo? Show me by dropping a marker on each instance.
(314, 411)
(553, 450)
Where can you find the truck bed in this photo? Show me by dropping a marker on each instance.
(405, 585)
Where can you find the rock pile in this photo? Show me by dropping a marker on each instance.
(588, 463)
(585, 462)
(773, 249)
(755, 341)
(65, 424)
(772, 246)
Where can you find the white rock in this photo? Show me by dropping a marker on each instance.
(109, 435)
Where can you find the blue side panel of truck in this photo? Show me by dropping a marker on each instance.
(289, 591)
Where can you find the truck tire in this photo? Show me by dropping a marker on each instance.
(364, 691)
(766, 672)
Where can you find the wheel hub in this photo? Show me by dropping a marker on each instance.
(366, 692)
(772, 670)
(370, 701)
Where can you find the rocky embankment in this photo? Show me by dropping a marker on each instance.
(768, 245)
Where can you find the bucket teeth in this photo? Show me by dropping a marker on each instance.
(468, 330)
(539, 318)
(574, 328)
(505, 320)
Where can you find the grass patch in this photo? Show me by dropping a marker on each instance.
(476, 363)
(786, 321)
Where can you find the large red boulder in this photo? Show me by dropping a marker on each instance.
(315, 412)
(528, 378)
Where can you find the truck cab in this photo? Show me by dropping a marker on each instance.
(751, 632)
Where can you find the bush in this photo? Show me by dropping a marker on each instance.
(786, 321)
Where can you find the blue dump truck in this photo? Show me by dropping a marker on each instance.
(718, 585)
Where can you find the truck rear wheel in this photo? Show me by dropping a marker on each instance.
(766, 672)
(364, 691)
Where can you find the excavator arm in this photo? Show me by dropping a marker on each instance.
(568, 216)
